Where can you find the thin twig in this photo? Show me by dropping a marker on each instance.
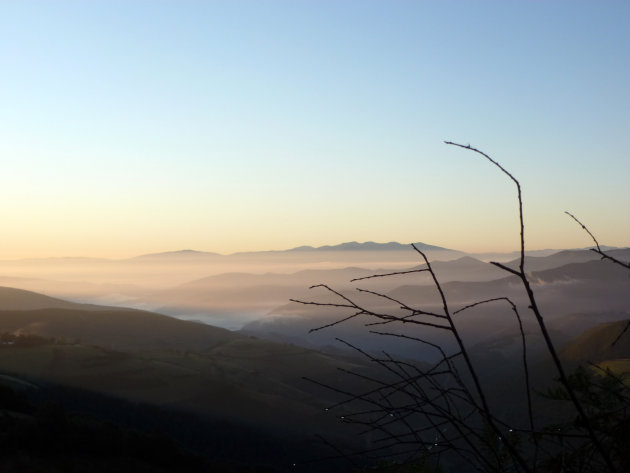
(389, 274)
(598, 250)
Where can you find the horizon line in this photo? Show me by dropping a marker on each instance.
(334, 247)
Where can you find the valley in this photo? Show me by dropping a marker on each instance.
(250, 374)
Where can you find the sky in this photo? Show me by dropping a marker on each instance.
(130, 127)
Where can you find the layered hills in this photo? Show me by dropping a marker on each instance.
(149, 357)
(253, 378)
(589, 288)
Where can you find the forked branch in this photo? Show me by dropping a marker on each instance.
(444, 407)
(539, 318)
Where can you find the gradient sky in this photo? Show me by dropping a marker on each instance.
(130, 127)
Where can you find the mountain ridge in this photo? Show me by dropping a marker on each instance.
(370, 246)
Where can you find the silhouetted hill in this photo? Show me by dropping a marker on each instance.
(465, 268)
(123, 329)
(587, 287)
(596, 343)
(370, 246)
(604, 271)
(177, 255)
(561, 258)
(248, 296)
(304, 278)
(347, 246)
(52, 428)
(158, 359)
(19, 299)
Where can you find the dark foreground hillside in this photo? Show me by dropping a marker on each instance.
(58, 429)
(75, 426)
(107, 389)
(124, 390)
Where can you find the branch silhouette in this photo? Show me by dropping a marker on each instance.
(413, 412)
(598, 249)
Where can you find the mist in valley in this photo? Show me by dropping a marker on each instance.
(182, 185)
(230, 340)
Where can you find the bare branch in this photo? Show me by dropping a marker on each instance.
(397, 273)
(506, 268)
(402, 304)
(598, 250)
(625, 329)
(443, 407)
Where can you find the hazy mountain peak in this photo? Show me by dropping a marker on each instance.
(468, 259)
(369, 246)
(177, 253)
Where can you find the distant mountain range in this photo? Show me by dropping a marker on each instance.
(347, 246)
(370, 246)
(351, 246)
(178, 254)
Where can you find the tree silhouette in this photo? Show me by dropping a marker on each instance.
(414, 412)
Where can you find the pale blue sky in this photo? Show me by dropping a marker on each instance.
(140, 126)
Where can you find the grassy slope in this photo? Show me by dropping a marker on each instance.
(596, 344)
(20, 299)
(198, 382)
(124, 329)
(152, 358)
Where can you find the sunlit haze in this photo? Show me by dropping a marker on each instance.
(146, 126)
